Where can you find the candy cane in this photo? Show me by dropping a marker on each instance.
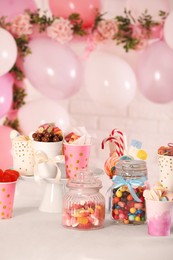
(111, 138)
(117, 137)
(118, 134)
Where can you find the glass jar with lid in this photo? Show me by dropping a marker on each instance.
(127, 201)
(83, 204)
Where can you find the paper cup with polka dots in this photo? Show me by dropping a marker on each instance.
(76, 158)
(165, 164)
(23, 156)
(7, 191)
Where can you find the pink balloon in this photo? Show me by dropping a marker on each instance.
(152, 6)
(53, 69)
(154, 73)
(40, 111)
(86, 9)
(12, 8)
(6, 160)
(6, 93)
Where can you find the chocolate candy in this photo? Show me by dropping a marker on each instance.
(125, 209)
(48, 133)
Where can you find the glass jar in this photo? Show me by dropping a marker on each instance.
(83, 204)
(127, 201)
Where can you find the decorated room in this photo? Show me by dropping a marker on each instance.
(86, 129)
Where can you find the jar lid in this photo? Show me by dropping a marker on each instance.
(131, 168)
(84, 179)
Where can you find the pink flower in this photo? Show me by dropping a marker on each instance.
(138, 32)
(97, 37)
(21, 25)
(60, 30)
(107, 28)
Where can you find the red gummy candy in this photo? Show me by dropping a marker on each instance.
(6, 178)
(13, 174)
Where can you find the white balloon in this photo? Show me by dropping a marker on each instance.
(8, 51)
(109, 79)
(167, 30)
(37, 112)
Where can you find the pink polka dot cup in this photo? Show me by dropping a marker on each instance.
(76, 158)
(7, 191)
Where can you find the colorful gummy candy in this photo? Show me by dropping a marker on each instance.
(85, 215)
(125, 209)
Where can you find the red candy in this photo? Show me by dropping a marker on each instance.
(8, 175)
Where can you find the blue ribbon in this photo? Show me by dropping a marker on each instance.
(120, 181)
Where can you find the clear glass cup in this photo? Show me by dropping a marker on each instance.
(83, 204)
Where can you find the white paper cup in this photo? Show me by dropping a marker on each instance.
(165, 164)
(23, 157)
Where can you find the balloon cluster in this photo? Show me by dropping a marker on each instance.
(57, 72)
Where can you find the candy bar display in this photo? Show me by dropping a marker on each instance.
(48, 133)
(127, 201)
(83, 205)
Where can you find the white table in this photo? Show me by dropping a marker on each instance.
(35, 235)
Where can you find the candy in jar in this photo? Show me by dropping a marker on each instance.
(128, 204)
(83, 204)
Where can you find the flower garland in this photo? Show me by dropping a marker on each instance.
(125, 30)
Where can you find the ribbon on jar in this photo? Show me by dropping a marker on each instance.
(120, 181)
(41, 157)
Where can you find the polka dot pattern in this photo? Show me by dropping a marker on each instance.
(76, 158)
(7, 191)
(23, 157)
(165, 164)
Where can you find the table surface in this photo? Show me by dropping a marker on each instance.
(35, 235)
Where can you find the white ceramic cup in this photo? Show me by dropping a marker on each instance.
(51, 149)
